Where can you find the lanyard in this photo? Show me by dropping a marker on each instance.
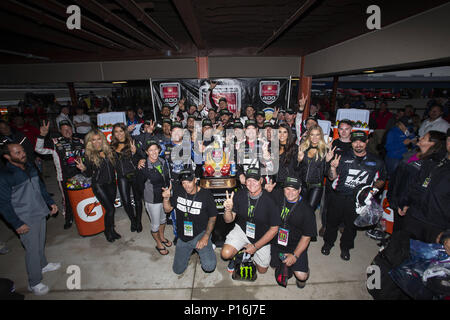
(188, 209)
(251, 209)
(285, 212)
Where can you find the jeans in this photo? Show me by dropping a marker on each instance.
(34, 243)
(184, 250)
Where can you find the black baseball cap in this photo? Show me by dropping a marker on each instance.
(292, 182)
(207, 123)
(187, 174)
(225, 112)
(253, 173)
(267, 124)
(176, 124)
(290, 111)
(65, 123)
(167, 120)
(223, 99)
(250, 123)
(358, 135)
(260, 113)
(150, 143)
(238, 124)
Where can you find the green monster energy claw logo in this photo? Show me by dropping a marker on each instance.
(284, 213)
(246, 270)
(250, 210)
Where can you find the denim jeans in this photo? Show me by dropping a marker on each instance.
(184, 250)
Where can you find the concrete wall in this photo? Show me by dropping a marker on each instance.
(417, 40)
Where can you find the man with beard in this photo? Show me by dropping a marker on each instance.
(25, 205)
(348, 172)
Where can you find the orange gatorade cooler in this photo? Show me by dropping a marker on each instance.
(88, 213)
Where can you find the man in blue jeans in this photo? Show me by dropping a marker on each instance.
(196, 213)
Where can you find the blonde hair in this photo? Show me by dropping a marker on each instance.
(321, 147)
(94, 155)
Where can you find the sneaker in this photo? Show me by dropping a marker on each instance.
(231, 264)
(300, 284)
(375, 234)
(40, 289)
(51, 267)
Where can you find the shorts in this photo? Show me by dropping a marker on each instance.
(301, 265)
(238, 239)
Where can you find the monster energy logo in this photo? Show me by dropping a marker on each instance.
(250, 210)
(248, 271)
(284, 213)
(158, 167)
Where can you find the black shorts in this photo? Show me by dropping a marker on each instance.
(300, 265)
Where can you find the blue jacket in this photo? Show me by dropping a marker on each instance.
(395, 147)
(23, 197)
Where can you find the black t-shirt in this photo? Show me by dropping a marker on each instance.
(200, 210)
(354, 171)
(264, 213)
(341, 147)
(300, 222)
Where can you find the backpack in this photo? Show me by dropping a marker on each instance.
(245, 269)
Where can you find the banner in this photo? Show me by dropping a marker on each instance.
(239, 93)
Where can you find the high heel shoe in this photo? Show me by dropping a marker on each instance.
(115, 235)
(109, 236)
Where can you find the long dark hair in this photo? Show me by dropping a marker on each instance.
(289, 147)
(438, 148)
(115, 142)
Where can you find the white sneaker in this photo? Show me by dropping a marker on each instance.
(40, 289)
(52, 266)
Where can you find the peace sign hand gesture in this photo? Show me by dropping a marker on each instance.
(330, 154)
(44, 128)
(80, 165)
(228, 204)
(335, 163)
(133, 146)
(166, 191)
(302, 102)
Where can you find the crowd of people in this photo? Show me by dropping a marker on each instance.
(286, 169)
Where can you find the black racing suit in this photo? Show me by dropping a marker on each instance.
(352, 172)
(64, 152)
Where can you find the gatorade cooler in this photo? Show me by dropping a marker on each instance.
(88, 213)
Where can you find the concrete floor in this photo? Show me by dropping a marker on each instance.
(131, 268)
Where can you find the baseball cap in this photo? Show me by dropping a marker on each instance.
(267, 124)
(260, 113)
(166, 120)
(238, 124)
(151, 143)
(358, 135)
(176, 124)
(290, 111)
(253, 173)
(207, 123)
(65, 123)
(250, 123)
(292, 182)
(225, 112)
(187, 174)
(223, 99)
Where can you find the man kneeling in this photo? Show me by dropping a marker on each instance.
(196, 214)
(257, 222)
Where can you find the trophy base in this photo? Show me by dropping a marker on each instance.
(218, 183)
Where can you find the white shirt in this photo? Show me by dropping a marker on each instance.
(82, 118)
(439, 124)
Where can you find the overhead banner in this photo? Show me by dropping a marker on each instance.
(239, 93)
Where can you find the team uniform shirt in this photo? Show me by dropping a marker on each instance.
(257, 218)
(354, 171)
(192, 211)
(297, 220)
(177, 164)
(64, 152)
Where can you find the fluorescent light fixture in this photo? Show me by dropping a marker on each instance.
(119, 82)
(369, 71)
